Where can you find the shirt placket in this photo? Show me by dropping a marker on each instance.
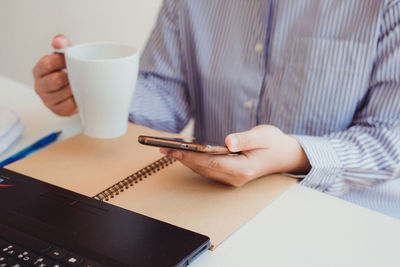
(257, 62)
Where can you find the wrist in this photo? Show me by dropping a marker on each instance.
(299, 161)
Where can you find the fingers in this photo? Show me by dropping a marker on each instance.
(259, 137)
(213, 174)
(228, 169)
(61, 102)
(53, 62)
(66, 108)
(51, 82)
(48, 64)
(60, 41)
(55, 98)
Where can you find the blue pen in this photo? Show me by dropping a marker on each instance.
(32, 148)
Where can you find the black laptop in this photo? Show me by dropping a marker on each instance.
(45, 225)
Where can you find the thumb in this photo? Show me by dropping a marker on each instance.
(60, 41)
(258, 137)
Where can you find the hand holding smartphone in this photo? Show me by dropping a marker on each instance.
(183, 144)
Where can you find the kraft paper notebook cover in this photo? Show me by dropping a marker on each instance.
(137, 177)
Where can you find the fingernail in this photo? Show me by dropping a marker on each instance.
(177, 154)
(234, 143)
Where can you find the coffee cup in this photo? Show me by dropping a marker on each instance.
(103, 77)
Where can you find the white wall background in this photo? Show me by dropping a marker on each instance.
(28, 26)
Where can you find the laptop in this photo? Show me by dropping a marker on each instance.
(45, 225)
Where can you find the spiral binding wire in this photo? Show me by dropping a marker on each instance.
(134, 179)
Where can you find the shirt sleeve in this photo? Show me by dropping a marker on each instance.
(368, 152)
(161, 98)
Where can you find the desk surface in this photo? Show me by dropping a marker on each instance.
(38, 119)
(301, 227)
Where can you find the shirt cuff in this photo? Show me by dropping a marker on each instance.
(326, 167)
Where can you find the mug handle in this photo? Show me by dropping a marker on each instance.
(59, 50)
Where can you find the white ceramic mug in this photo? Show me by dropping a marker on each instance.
(103, 78)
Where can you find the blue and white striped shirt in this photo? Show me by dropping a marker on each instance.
(324, 71)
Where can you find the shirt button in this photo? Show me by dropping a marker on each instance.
(249, 104)
(259, 47)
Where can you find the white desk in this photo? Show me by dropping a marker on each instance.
(302, 227)
(38, 119)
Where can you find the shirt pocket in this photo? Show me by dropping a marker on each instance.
(323, 84)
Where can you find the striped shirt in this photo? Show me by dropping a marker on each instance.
(324, 71)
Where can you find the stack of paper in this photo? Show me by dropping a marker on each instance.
(11, 128)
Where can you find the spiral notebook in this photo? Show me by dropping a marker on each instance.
(139, 178)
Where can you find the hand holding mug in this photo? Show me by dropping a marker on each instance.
(51, 81)
(100, 83)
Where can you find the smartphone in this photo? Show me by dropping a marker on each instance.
(184, 144)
